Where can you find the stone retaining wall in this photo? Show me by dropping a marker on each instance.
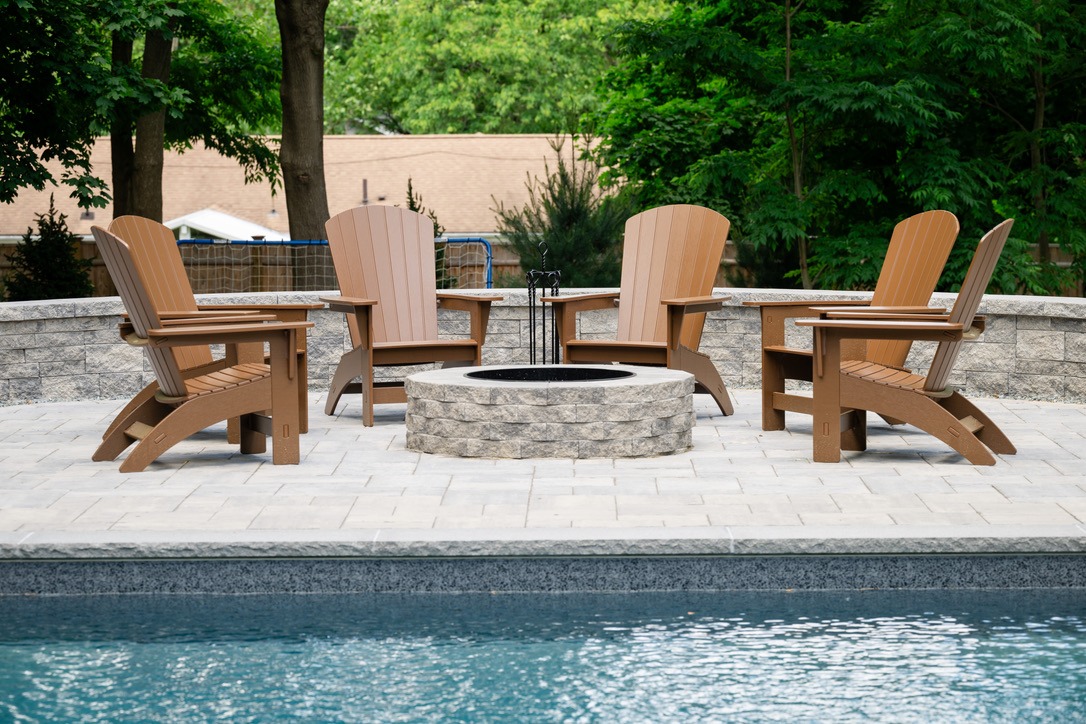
(1034, 347)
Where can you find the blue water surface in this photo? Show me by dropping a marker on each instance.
(1005, 656)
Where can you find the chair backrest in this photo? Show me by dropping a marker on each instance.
(154, 250)
(141, 309)
(968, 301)
(668, 252)
(386, 253)
(919, 248)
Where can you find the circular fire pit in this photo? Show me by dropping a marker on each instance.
(567, 411)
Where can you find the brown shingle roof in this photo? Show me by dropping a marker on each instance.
(455, 175)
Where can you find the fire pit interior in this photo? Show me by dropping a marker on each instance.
(552, 373)
(570, 411)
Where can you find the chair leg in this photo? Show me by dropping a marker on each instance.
(772, 382)
(705, 374)
(141, 398)
(918, 410)
(350, 367)
(149, 412)
(854, 430)
(990, 434)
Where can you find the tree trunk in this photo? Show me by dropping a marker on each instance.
(794, 144)
(301, 155)
(151, 133)
(120, 134)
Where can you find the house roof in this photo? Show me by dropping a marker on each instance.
(212, 224)
(461, 178)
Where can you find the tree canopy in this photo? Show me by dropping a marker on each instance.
(816, 125)
(500, 66)
(72, 71)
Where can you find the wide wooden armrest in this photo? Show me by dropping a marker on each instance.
(348, 305)
(915, 316)
(695, 305)
(584, 302)
(441, 296)
(217, 319)
(882, 311)
(678, 308)
(885, 329)
(809, 303)
(257, 306)
(222, 333)
(204, 313)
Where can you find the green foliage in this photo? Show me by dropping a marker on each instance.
(582, 228)
(51, 74)
(48, 265)
(817, 143)
(59, 89)
(503, 66)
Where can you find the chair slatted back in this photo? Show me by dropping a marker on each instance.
(968, 301)
(668, 252)
(154, 250)
(386, 253)
(141, 310)
(919, 248)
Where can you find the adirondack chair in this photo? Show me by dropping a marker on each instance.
(918, 250)
(184, 405)
(154, 250)
(384, 258)
(670, 257)
(924, 401)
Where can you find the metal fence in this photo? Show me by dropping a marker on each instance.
(238, 266)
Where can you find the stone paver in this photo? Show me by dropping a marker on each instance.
(738, 488)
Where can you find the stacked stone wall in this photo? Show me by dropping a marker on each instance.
(1033, 347)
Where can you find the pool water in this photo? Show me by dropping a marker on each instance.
(674, 657)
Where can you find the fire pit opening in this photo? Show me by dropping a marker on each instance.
(552, 373)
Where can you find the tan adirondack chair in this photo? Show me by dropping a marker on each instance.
(844, 389)
(184, 405)
(154, 251)
(918, 250)
(670, 258)
(384, 259)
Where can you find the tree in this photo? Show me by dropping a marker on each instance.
(581, 228)
(505, 66)
(301, 29)
(193, 93)
(48, 265)
(51, 75)
(71, 72)
(817, 125)
(788, 117)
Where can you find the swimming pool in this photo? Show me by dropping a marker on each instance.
(809, 656)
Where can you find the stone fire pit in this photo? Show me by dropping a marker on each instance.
(567, 411)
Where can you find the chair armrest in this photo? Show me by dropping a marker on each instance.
(775, 314)
(216, 319)
(222, 333)
(883, 311)
(828, 334)
(283, 339)
(584, 302)
(809, 303)
(696, 305)
(566, 310)
(477, 307)
(467, 297)
(256, 306)
(677, 309)
(348, 305)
